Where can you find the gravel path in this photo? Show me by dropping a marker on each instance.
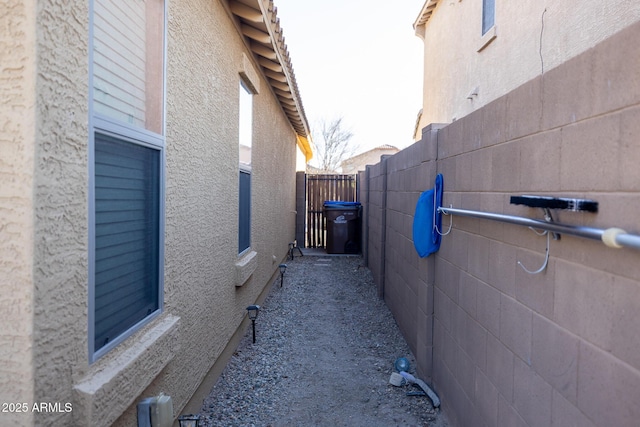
(324, 352)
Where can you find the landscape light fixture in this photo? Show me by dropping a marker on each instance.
(189, 420)
(294, 245)
(253, 310)
(283, 269)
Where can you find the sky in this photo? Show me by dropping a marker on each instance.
(359, 60)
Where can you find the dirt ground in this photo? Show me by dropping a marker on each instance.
(325, 350)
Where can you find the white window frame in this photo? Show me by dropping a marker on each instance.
(135, 135)
(487, 34)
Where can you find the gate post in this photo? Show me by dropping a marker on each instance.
(363, 196)
(301, 209)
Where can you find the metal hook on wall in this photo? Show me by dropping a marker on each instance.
(435, 224)
(546, 256)
(437, 204)
(556, 236)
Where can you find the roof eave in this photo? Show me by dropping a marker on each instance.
(259, 24)
(424, 16)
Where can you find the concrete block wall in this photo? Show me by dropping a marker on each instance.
(500, 346)
(389, 204)
(375, 209)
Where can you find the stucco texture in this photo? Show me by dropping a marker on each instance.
(44, 232)
(531, 37)
(60, 204)
(17, 116)
(44, 138)
(205, 59)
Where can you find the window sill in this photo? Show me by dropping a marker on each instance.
(487, 38)
(245, 267)
(113, 384)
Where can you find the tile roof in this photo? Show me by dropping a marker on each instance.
(257, 20)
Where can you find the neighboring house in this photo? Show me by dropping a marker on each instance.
(477, 51)
(312, 170)
(148, 195)
(556, 345)
(360, 162)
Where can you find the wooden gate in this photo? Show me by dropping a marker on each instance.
(318, 189)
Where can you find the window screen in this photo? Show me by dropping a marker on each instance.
(127, 226)
(244, 231)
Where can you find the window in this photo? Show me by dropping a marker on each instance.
(245, 126)
(244, 231)
(488, 15)
(127, 235)
(126, 169)
(245, 140)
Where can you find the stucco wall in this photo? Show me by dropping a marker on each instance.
(44, 214)
(44, 206)
(205, 59)
(60, 204)
(510, 348)
(530, 36)
(17, 141)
